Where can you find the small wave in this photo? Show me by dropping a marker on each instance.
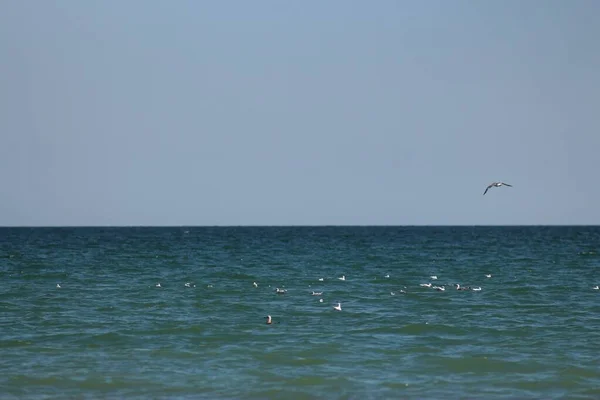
(7, 344)
(482, 364)
(438, 329)
(101, 339)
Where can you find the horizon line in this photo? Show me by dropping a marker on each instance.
(297, 226)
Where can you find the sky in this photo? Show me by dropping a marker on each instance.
(299, 113)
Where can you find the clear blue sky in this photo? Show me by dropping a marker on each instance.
(301, 113)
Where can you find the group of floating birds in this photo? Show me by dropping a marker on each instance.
(338, 306)
(455, 285)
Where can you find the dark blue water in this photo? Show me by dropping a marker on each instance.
(532, 331)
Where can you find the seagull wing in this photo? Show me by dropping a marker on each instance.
(487, 188)
(506, 184)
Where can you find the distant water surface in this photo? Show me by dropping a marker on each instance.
(533, 331)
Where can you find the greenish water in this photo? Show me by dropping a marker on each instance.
(533, 331)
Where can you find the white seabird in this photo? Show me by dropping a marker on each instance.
(595, 287)
(342, 278)
(58, 285)
(338, 307)
(495, 184)
(255, 284)
(488, 275)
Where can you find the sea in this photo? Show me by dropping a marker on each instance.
(105, 313)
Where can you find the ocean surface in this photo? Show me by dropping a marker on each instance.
(531, 332)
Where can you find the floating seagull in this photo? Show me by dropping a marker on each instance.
(496, 184)
(476, 289)
(58, 286)
(439, 288)
(425, 284)
(255, 284)
(342, 278)
(433, 277)
(280, 291)
(317, 293)
(595, 287)
(158, 285)
(320, 300)
(387, 276)
(269, 320)
(488, 275)
(320, 279)
(338, 307)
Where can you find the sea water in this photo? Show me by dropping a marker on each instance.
(108, 331)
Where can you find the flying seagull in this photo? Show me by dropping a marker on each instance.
(496, 184)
